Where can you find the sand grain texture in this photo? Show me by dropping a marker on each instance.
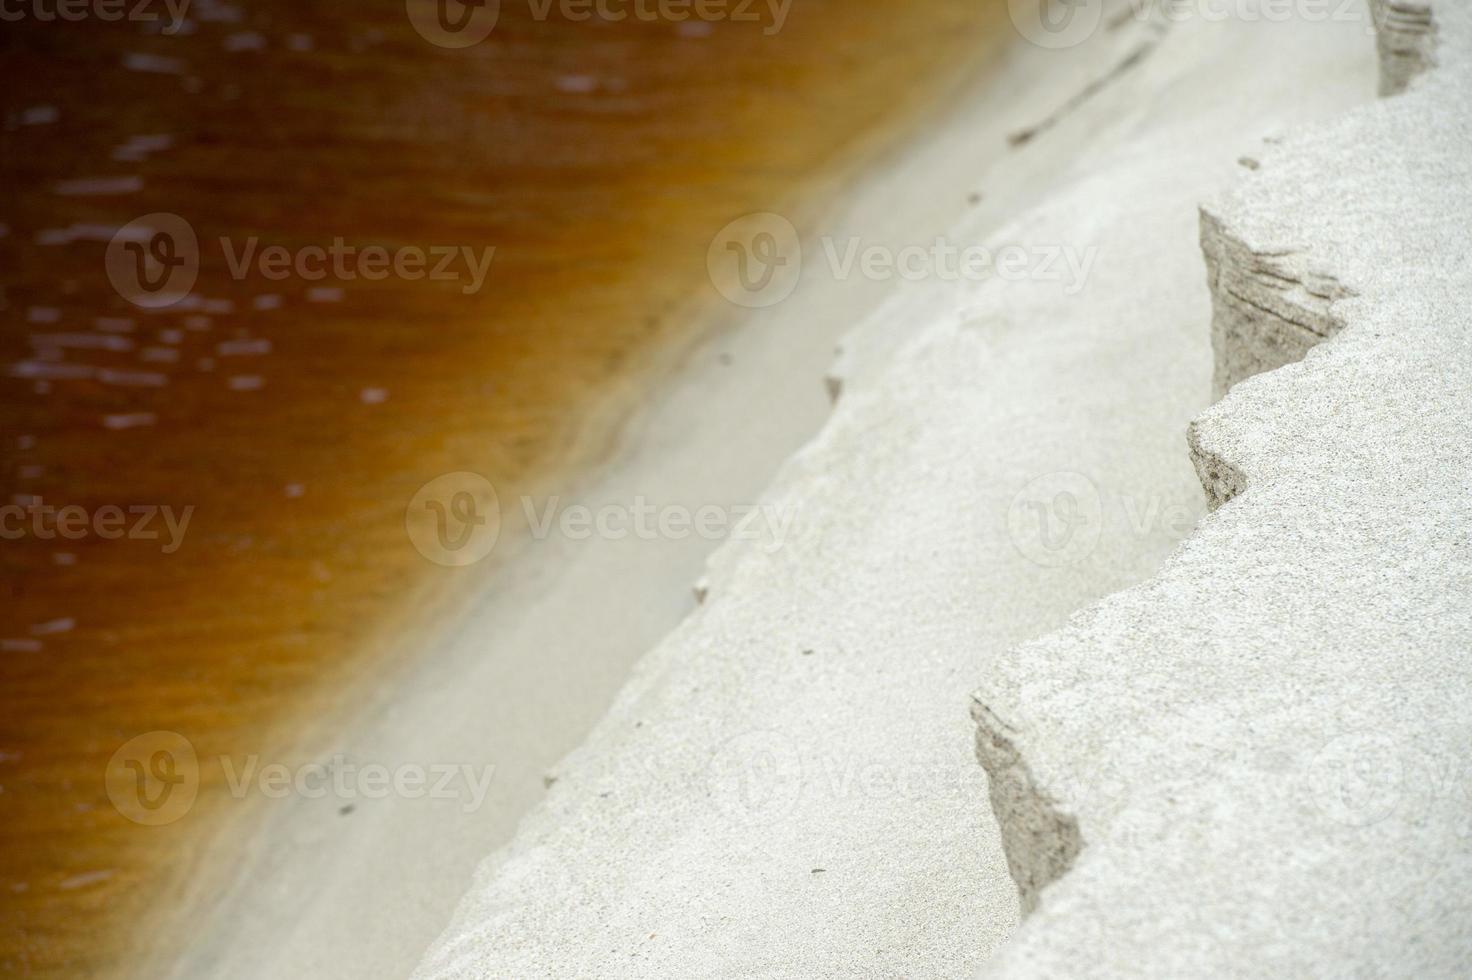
(1256, 763)
(784, 788)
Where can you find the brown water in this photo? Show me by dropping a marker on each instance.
(598, 158)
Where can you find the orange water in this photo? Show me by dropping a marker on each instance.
(598, 158)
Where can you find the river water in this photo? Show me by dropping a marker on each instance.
(406, 259)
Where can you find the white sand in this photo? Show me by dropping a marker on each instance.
(521, 678)
(785, 787)
(1284, 707)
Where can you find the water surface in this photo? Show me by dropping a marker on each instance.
(293, 419)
